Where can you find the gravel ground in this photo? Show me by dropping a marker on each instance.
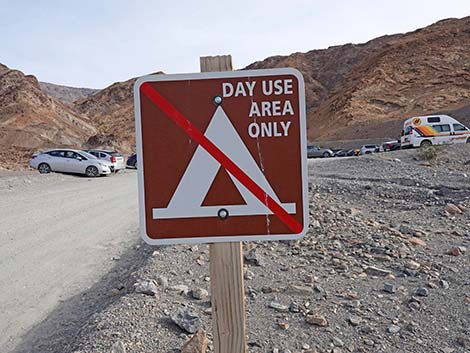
(384, 268)
(59, 234)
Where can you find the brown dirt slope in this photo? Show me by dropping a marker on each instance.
(112, 112)
(66, 94)
(31, 120)
(367, 90)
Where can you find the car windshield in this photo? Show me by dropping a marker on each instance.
(87, 155)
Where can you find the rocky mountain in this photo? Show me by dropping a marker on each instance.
(31, 120)
(66, 94)
(367, 90)
(112, 112)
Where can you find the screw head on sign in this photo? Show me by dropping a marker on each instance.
(218, 100)
(222, 213)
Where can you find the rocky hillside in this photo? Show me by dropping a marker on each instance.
(112, 112)
(66, 94)
(366, 90)
(30, 119)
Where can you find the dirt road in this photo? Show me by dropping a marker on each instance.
(59, 234)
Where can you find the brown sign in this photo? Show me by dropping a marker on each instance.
(222, 156)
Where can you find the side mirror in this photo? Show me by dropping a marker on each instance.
(80, 158)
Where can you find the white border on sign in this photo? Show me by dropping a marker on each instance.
(218, 75)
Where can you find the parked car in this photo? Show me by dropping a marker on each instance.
(315, 151)
(391, 145)
(70, 161)
(132, 161)
(114, 157)
(366, 149)
(344, 153)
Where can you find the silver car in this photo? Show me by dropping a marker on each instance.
(111, 156)
(315, 151)
(70, 161)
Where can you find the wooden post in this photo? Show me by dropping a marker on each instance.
(226, 270)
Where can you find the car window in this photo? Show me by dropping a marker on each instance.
(80, 156)
(96, 154)
(115, 154)
(88, 155)
(459, 127)
(56, 153)
(442, 128)
(434, 119)
(70, 154)
(103, 155)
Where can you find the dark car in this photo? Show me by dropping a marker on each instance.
(391, 145)
(344, 153)
(132, 161)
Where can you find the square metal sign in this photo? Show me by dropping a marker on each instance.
(222, 156)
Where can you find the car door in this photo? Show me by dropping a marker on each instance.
(55, 160)
(72, 163)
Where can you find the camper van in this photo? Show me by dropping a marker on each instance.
(433, 130)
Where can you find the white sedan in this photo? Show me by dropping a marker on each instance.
(70, 161)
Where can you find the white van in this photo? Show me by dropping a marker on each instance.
(433, 130)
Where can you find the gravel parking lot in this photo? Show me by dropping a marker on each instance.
(59, 234)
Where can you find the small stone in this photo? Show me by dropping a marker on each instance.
(413, 265)
(317, 320)
(162, 281)
(456, 251)
(422, 292)
(294, 307)
(249, 275)
(394, 329)
(337, 342)
(253, 257)
(299, 290)
(146, 287)
(197, 343)
(118, 347)
(406, 229)
(354, 320)
(417, 241)
(187, 320)
(464, 342)
(389, 288)
(375, 271)
(452, 209)
(369, 342)
(279, 307)
(179, 288)
(444, 284)
(284, 325)
(199, 293)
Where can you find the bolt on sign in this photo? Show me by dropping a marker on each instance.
(222, 156)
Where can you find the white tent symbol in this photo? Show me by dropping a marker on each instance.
(187, 200)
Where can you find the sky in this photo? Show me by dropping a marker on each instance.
(93, 43)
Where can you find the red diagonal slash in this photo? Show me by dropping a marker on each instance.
(220, 156)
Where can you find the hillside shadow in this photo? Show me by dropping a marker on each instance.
(59, 332)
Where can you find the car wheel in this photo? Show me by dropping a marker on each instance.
(426, 143)
(326, 155)
(44, 168)
(92, 171)
(368, 152)
(116, 171)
